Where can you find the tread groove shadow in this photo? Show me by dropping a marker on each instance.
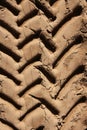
(76, 12)
(9, 124)
(79, 70)
(47, 104)
(4, 72)
(10, 29)
(10, 53)
(78, 40)
(12, 9)
(8, 99)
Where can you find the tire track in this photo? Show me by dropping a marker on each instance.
(48, 56)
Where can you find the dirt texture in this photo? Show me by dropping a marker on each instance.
(43, 64)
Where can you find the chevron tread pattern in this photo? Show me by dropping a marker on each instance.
(43, 65)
